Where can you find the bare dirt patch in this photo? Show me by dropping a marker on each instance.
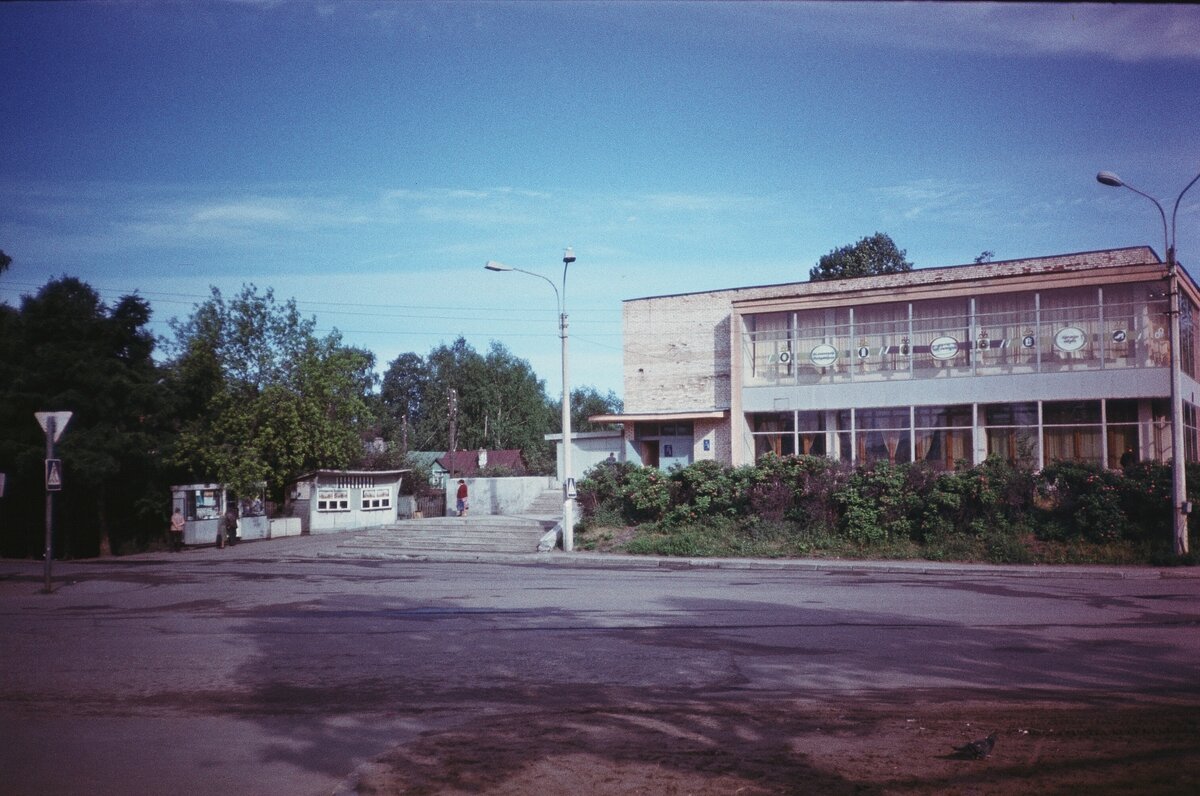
(756, 745)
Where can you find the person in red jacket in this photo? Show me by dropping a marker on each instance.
(461, 504)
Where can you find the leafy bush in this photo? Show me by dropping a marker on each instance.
(601, 488)
(646, 492)
(1089, 501)
(805, 505)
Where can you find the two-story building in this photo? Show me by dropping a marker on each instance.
(1061, 357)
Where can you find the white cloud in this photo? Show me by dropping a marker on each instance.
(935, 200)
(242, 213)
(691, 203)
(1120, 32)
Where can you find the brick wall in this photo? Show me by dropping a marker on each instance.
(677, 353)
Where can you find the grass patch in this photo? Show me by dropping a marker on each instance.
(756, 538)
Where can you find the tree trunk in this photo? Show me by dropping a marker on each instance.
(102, 517)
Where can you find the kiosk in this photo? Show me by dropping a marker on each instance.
(327, 501)
(203, 505)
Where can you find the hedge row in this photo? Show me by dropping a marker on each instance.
(879, 505)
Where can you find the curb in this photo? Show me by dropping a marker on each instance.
(826, 566)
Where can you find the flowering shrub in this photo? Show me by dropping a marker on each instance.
(647, 494)
(992, 511)
(1089, 501)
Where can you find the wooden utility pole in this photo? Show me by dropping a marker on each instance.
(453, 428)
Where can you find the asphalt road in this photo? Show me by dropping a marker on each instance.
(281, 667)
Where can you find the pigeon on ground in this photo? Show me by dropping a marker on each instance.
(978, 750)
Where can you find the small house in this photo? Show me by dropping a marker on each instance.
(473, 464)
(339, 500)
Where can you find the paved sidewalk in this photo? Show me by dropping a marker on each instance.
(347, 545)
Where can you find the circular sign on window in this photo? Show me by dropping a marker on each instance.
(1069, 339)
(823, 355)
(1120, 336)
(785, 357)
(943, 348)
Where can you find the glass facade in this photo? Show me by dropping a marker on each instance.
(1050, 331)
(1064, 330)
(1111, 432)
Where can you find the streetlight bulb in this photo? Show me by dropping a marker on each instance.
(568, 255)
(492, 265)
(1108, 178)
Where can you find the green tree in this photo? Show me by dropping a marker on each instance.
(402, 392)
(267, 398)
(870, 256)
(65, 350)
(515, 411)
(500, 401)
(587, 401)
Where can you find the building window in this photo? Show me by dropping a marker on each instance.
(881, 341)
(822, 346)
(1187, 336)
(376, 498)
(883, 435)
(1189, 432)
(941, 339)
(770, 347)
(1121, 426)
(1058, 330)
(1070, 330)
(203, 504)
(659, 430)
(1006, 334)
(774, 432)
(333, 500)
(943, 435)
(810, 432)
(1012, 432)
(1071, 431)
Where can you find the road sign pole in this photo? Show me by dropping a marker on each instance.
(53, 423)
(50, 428)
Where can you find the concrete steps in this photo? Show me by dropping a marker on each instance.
(470, 534)
(548, 504)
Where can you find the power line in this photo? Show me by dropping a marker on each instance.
(190, 298)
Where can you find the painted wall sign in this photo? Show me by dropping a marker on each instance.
(1120, 336)
(379, 497)
(1028, 341)
(823, 355)
(1070, 339)
(333, 500)
(943, 348)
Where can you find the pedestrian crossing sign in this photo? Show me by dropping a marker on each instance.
(54, 475)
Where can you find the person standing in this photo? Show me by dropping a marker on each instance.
(461, 503)
(231, 526)
(176, 531)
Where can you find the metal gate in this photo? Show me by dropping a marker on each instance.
(432, 504)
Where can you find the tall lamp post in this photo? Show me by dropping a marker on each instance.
(1180, 505)
(568, 484)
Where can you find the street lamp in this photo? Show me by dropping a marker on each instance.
(568, 484)
(1180, 505)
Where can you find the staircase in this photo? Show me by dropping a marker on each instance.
(475, 533)
(547, 504)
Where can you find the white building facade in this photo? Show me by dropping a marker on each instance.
(1052, 358)
(327, 501)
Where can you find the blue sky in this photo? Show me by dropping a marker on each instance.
(367, 158)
